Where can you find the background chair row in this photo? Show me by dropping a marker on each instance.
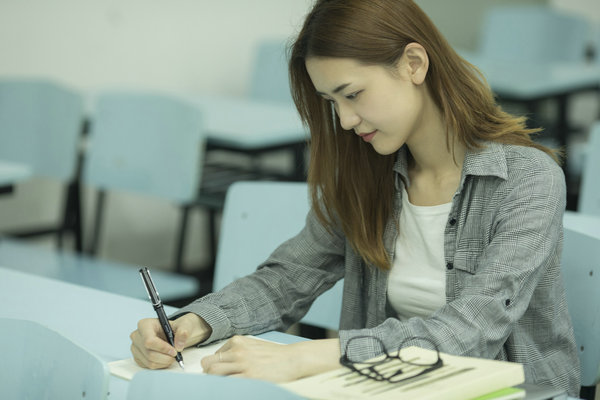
(138, 142)
(48, 126)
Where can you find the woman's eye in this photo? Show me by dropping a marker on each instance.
(353, 96)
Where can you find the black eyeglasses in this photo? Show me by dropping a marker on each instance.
(383, 369)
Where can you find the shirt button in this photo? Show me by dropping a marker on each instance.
(449, 265)
(453, 221)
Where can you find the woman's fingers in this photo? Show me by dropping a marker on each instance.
(148, 346)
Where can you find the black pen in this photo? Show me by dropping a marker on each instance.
(160, 311)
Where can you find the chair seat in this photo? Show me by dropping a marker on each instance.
(40, 126)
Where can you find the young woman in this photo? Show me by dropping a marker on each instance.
(441, 214)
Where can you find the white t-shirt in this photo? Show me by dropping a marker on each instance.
(417, 281)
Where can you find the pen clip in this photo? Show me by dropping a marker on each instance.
(149, 285)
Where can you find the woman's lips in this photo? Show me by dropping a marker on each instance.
(367, 137)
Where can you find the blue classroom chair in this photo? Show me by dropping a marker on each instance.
(153, 144)
(257, 218)
(581, 275)
(533, 33)
(40, 126)
(269, 82)
(149, 144)
(589, 193)
(82, 270)
(269, 79)
(596, 45)
(50, 142)
(39, 363)
(160, 385)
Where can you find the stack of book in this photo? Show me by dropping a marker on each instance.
(459, 378)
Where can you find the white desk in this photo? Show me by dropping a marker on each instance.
(96, 320)
(99, 321)
(253, 127)
(11, 173)
(582, 223)
(533, 81)
(86, 271)
(245, 125)
(530, 83)
(249, 124)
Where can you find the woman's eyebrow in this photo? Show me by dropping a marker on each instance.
(336, 90)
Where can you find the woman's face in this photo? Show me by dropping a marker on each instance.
(383, 106)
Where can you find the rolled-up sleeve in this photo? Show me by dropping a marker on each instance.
(281, 290)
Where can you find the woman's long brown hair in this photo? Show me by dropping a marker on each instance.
(351, 184)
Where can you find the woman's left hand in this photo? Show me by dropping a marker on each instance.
(259, 359)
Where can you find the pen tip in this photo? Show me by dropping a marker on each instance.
(181, 364)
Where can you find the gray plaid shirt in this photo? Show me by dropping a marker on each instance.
(504, 293)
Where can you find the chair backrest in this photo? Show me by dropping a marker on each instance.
(589, 193)
(535, 33)
(596, 43)
(39, 363)
(269, 80)
(146, 143)
(257, 218)
(581, 275)
(40, 125)
(160, 385)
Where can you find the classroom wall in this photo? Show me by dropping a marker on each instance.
(177, 45)
(174, 45)
(460, 20)
(588, 8)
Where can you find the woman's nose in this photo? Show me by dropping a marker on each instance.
(349, 119)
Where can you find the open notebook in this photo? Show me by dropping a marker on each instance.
(192, 356)
(127, 368)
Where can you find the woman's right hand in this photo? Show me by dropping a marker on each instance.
(150, 348)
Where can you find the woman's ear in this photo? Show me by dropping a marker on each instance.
(415, 61)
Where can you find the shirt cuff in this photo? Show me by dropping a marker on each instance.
(214, 317)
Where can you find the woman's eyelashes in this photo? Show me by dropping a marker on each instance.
(350, 96)
(353, 95)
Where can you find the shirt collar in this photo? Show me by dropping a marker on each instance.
(489, 160)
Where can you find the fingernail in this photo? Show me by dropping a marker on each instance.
(179, 344)
(172, 352)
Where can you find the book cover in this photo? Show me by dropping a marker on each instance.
(459, 378)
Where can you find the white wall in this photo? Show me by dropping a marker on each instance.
(460, 20)
(174, 45)
(590, 9)
(587, 8)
